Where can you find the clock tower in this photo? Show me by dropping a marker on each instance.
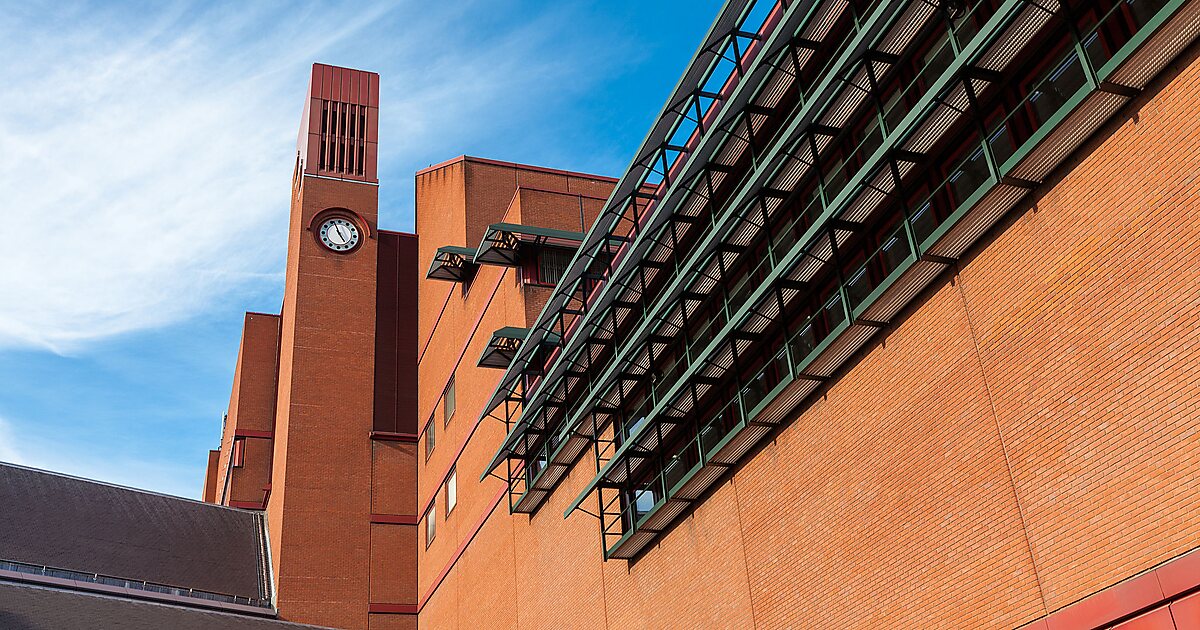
(319, 507)
(320, 432)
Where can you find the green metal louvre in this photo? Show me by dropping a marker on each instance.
(600, 239)
(659, 312)
(502, 347)
(857, 44)
(1007, 182)
(742, 94)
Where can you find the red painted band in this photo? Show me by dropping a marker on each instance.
(253, 433)
(394, 519)
(466, 344)
(393, 609)
(1129, 598)
(524, 167)
(461, 548)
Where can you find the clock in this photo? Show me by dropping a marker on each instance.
(338, 234)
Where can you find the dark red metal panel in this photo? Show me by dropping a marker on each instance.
(385, 334)
(1120, 600)
(1180, 575)
(407, 343)
(1186, 612)
(1154, 620)
(334, 138)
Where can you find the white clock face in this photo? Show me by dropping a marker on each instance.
(339, 234)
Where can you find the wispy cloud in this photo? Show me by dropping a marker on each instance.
(147, 156)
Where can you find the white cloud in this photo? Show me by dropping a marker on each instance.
(145, 159)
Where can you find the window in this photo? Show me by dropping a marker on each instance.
(239, 452)
(448, 402)
(451, 491)
(430, 524)
(551, 265)
(430, 439)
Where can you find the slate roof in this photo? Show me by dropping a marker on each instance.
(81, 525)
(30, 607)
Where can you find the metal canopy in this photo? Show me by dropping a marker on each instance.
(864, 318)
(502, 347)
(452, 263)
(696, 162)
(503, 243)
(687, 102)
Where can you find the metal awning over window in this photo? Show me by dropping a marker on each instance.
(503, 243)
(502, 347)
(452, 263)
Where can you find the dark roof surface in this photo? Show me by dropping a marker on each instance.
(70, 523)
(31, 607)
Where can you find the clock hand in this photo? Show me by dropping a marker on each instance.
(344, 233)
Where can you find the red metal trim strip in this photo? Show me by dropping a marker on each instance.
(394, 519)
(466, 344)
(254, 433)
(555, 192)
(248, 505)
(425, 346)
(1142, 593)
(524, 167)
(453, 463)
(393, 609)
(461, 548)
(383, 231)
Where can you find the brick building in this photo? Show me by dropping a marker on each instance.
(892, 322)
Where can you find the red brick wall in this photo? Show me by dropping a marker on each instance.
(1024, 436)
(394, 530)
(209, 494)
(455, 203)
(320, 505)
(251, 414)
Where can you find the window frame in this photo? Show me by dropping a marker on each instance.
(449, 402)
(450, 488)
(532, 271)
(430, 439)
(237, 455)
(430, 524)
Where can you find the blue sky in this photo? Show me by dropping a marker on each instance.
(146, 163)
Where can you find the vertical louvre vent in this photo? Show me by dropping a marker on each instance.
(343, 148)
(339, 131)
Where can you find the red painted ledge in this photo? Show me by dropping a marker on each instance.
(394, 519)
(1139, 602)
(252, 433)
(393, 609)
(389, 436)
(523, 167)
